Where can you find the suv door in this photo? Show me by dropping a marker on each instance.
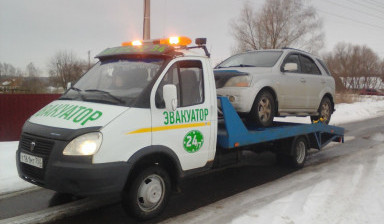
(292, 85)
(187, 130)
(315, 82)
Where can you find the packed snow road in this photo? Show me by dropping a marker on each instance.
(341, 184)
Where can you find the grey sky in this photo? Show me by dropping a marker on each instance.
(33, 30)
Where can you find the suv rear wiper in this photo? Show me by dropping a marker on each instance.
(107, 93)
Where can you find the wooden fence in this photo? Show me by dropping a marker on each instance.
(15, 109)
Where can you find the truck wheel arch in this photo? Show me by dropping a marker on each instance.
(155, 155)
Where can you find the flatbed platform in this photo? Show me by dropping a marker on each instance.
(233, 132)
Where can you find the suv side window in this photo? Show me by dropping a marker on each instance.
(308, 66)
(293, 58)
(187, 76)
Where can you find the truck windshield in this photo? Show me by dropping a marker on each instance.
(117, 81)
(252, 59)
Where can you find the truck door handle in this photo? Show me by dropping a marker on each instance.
(323, 81)
(302, 80)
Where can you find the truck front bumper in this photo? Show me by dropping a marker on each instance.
(84, 179)
(69, 174)
(81, 179)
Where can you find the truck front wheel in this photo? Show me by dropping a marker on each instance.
(147, 195)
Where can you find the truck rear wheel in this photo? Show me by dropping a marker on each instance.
(147, 195)
(299, 149)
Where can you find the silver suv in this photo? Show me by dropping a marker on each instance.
(281, 82)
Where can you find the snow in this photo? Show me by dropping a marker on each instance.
(9, 179)
(369, 107)
(339, 192)
(345, 191)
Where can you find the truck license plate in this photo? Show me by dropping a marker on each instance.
(31, 160)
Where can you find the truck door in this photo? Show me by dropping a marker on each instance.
(187, 130)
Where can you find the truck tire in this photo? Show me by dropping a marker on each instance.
(148, 194)
(325, 111)
(263, 109)
(299, 149)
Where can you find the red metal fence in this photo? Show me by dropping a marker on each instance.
(15, 109)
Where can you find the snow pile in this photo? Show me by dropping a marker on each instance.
(370, 107)
(357, 111)
(9, 179)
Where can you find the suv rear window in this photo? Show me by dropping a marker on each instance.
(308, 66)
(324, 66)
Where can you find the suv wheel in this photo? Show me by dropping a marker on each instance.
(263, 109)
(325, 111)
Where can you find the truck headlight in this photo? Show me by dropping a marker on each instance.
(238, 81)
(84, 145)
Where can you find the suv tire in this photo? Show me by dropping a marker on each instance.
(325, 111)
(263, 109)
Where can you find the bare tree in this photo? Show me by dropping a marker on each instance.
(66, 67)
(31, 82)
(280, 23)
(357, 66)
(7, 70)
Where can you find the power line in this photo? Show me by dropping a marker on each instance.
(349, 19)
(378, 4)
(356, 10)
(366, 6)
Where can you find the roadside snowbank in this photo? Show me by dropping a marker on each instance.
(369, 107)
(9, 179)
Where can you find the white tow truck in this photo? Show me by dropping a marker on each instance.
(143, 117)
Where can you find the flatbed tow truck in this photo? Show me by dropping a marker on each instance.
(142, 118)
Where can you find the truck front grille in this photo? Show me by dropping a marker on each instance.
(42, 148)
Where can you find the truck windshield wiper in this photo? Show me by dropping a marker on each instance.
(75, 89)
(106, 93)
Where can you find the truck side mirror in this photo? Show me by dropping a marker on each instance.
(170, 97)
(69, 85)
(290, 67)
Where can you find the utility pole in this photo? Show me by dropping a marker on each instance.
(147, 23)
(89, 59)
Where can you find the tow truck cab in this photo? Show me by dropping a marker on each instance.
(151, 106)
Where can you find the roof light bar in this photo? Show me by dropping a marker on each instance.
(173, 41)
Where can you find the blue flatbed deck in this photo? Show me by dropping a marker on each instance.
(233, 132)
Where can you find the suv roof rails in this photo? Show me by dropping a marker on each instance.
(291, 48)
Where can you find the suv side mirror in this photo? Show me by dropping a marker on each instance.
(69, 85)
(170, 97)
(290, 67)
